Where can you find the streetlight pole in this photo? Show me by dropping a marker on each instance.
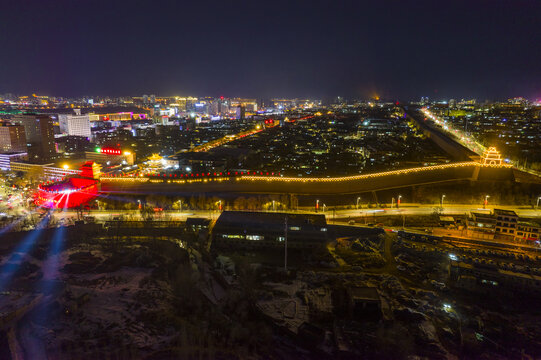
(180, 205)
(537, 206)
(273, 205)
(324, 206)
(317, 205)
(358, 199)
(486, 201)
(398, 201)
(442, 197)
(285, 243)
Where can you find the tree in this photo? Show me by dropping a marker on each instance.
(202, 202)
(34, 174)
(252, 203)
(240, 203)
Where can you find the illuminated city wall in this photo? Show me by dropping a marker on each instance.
(273, 184)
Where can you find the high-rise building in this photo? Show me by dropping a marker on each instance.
(12, 138)
(75, 124)
(39, 131)
(241, 112)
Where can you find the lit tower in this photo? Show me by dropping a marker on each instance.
(491, 156)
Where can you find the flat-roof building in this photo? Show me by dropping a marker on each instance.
(506, 223)
(261, 229)
(528, 232)
(7, 158)
(499, 225)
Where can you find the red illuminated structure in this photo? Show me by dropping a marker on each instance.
(72, 191)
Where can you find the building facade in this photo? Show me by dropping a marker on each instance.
(528, 232)
(110, 157)
(39, 131)
(12, 138)
(75, 125)
(7, 158)
(506, 224)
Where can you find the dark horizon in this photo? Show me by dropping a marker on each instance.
(393, 49)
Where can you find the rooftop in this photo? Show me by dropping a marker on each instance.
(504, 212)
(364, 293)
(266, 219)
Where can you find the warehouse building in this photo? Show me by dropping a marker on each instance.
(239, 229)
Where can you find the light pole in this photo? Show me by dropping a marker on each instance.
(398, 201)
(220, 205)
(358, 199)
(442, 197)
(537, 206)
(317, 205)
(273, 202)
(486, 201)
(324, 206)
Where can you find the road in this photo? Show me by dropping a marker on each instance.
(428, 210)
(404, 210)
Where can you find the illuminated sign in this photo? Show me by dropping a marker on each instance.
(109, 151)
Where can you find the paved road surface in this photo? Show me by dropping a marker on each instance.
(338, 214)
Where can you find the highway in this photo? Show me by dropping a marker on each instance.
(456, 134)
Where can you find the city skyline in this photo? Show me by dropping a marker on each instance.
(270, 180)
(394, 50)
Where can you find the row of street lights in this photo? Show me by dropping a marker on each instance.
(399, 198)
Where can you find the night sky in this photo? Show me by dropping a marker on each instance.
(261, 49)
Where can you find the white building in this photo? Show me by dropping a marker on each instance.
(75, 124)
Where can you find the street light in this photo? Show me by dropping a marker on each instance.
(317, 205)
(486, 201)
(537, 206)
(442, 197)
(324, 206)
(273, 202)
(358, 199)
(398, 201)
